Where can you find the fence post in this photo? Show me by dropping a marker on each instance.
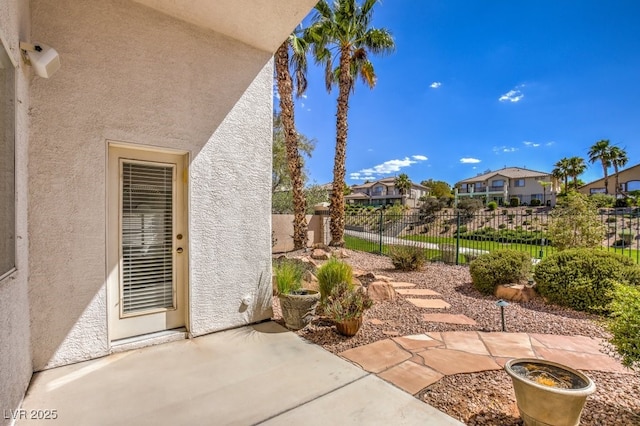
(380, 232)
(457, 236)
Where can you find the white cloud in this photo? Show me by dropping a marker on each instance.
(499, 149)
(435, 85)
(530, 144)
(469, 160)
(549, 143)
(513, 95)
(386, 168)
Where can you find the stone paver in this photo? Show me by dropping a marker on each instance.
(449, 319)
(568, 343)
(514, 345)
(411, 377)
(448, 361)
(583, 361)
(466, 341)
(429, 303)
(377, 356)
(416, 292)
(417, 342)
(399, 284)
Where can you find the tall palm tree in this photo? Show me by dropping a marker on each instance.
(561, 172)
(284, 64)
(618, 157)
(577, 166)
(402, 184)
(343, 33)
(601, 151)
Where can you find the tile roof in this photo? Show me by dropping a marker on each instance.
(509, 172)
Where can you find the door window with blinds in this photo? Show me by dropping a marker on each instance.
(148, 270)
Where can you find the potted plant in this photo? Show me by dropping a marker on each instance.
(345, 306)
(548, 393)
(298, 304)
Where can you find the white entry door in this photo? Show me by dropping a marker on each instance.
(147, 248)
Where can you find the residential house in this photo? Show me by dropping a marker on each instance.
(510, 182)
(383, 192)
(134, 198)
(628, 180)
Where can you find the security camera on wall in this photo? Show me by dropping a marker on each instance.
(44, 59)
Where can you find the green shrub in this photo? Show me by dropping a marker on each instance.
(612, 219)
(288, 275)
(528, 211)
(492, 205)
(345, 303)
(331, 273)
(582, 279)
(407, 258)
(462, 229)
(504, 212)
(535, 202)
(624, 323)
(510, 216)
(499, 267)
(514, 202)
(502, 226)
(602, 200)
(467, 207)
(575, 224)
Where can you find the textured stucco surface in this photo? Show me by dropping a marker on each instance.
(132, 74)
(15, 352)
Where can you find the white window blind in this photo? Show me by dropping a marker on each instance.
(147, 229)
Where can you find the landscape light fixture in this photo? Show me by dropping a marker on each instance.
(502, 304)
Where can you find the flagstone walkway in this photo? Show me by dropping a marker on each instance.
(414, 362)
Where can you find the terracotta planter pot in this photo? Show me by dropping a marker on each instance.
(543, 405)
(349, 327)
(299, 309)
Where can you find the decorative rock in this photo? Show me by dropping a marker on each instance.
(341, 254)
(376, 321)
(320, 254)
(382, 278)
(515, 292)
(381, 291)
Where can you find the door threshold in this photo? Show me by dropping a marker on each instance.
(151, 339)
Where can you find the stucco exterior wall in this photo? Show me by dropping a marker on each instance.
(15, 351)
(132, 74)
(282, 227)
(624, 176)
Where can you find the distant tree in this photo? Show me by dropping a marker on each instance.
(561, 172)
(575, 223)
(544, 185)
(619, 159)
(402, 184)
(282, 201)
(437, 188)
(280, 177)
(601, 151)
(577, 166)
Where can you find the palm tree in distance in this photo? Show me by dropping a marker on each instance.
(284, 63)
(577, 166)
(601, 151)
(342, 33)
(402, 184)
(618, 157)
(561, 172)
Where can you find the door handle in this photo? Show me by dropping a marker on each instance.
(179, 250)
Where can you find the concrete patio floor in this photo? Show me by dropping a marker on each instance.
(260, 374)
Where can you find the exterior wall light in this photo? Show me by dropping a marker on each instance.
(44, 59)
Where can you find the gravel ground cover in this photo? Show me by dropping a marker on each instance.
(480, 398)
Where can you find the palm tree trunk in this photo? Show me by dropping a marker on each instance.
(285, 89)
(337, 194)
(615, 169)
(606, 177)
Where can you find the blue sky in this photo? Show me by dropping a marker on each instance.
(477, 85)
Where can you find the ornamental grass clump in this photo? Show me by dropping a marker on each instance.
(331, 273)
(584, 279)
(288, 275)
(407, 258)
(499, 267)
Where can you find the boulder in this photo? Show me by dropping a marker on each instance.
(319, 254)
(515, 292)
(381, 291)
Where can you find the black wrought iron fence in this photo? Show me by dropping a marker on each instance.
(455, 237)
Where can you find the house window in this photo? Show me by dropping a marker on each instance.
(7, 165)
(536, 197)
(377, 190)
(498, 183)
(633, 185)
(597, 191)
(518, 183)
